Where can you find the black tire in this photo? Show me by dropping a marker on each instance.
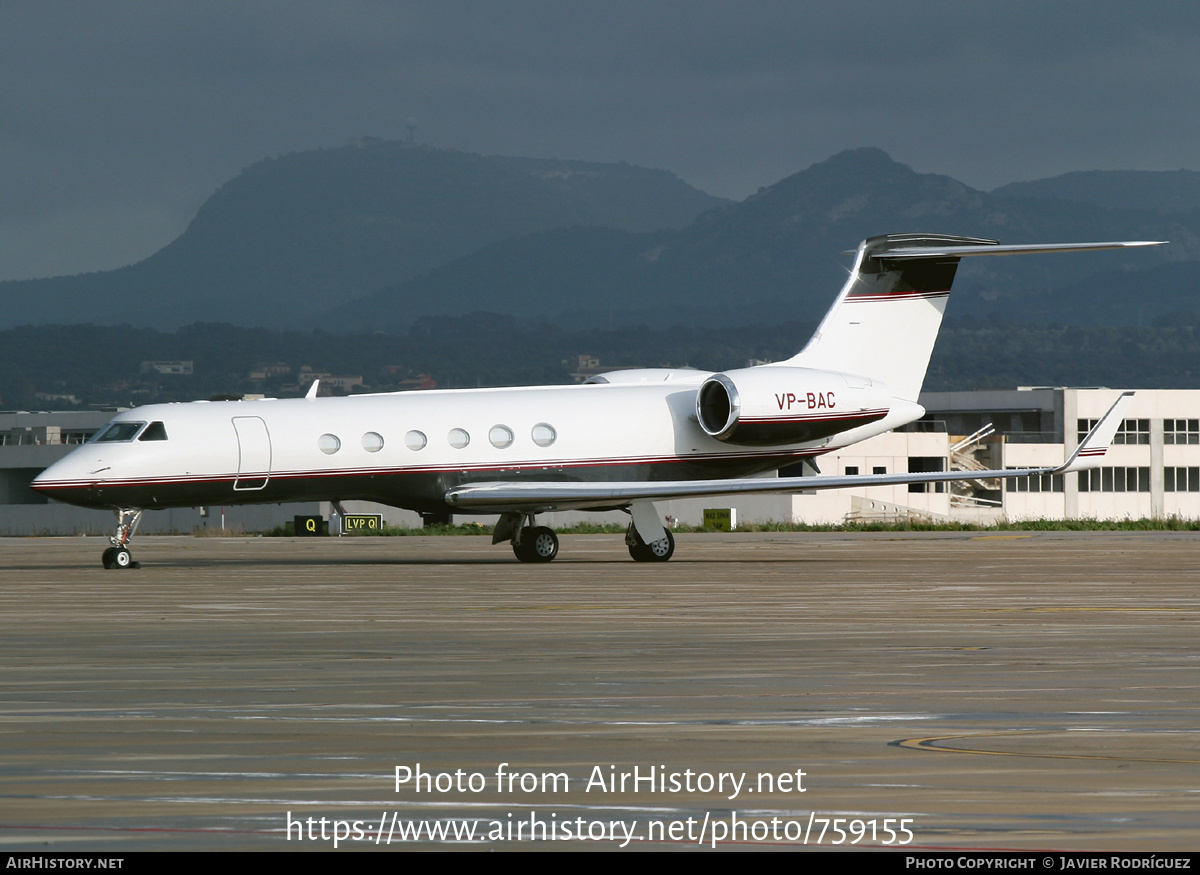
(521, 551)
(659, 551)
(107, 559)
(538, 544)
(121, 558)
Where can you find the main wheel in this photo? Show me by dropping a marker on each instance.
(121, 558)
(538, 544)
(660, 551)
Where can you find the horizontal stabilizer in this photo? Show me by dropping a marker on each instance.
(1004, 249)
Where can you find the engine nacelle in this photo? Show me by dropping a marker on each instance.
(768, 406)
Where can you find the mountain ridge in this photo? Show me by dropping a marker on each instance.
(278, 242)
(377, 235)
(775, 255)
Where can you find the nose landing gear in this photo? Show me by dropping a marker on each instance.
(118, 555)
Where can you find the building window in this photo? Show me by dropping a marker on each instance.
(1035, 483)
(1131, 431)
(1181, 431)
(1115, 480)
(852, 470)
(1181, 479)
(879, 469)
(926, 465)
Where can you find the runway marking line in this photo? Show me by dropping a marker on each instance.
(1080, 610)
(930, 745)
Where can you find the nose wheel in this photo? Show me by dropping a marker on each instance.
(118, 555)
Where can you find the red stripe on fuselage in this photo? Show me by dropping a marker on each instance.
(508, 469)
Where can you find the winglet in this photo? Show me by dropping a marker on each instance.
(312, 390)
(1092, 448)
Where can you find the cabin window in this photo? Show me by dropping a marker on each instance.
(119, 431)
(372, 442)
(155, 431)
(415, 440)
(329, 444)
(544, 434)
(501, 436)
(458, 438)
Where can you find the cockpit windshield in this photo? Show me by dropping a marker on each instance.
(155, 431)
(118, 432)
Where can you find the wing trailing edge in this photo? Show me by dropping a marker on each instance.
(535, 497)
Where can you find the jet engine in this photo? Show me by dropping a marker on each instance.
(768, 406)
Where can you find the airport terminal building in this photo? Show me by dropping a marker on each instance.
(1152, 469)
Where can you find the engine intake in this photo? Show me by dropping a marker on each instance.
(769, 406)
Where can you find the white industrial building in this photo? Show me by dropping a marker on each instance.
(1152, 470)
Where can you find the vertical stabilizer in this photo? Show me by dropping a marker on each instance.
(885, 321)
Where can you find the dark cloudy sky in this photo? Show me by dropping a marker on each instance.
(118, 118)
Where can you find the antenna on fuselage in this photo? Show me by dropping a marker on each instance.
(312, 390)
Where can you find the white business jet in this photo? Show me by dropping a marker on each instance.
(619, 442)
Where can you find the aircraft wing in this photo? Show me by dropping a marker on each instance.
(540, 497)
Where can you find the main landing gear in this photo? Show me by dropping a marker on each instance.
(658, 551)
(532, 543)
(536, 544)
(118, 555)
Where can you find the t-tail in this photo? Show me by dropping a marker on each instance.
(885, 321)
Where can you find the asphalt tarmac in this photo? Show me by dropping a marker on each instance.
(929, 690)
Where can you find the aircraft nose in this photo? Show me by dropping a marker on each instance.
(67, 480)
